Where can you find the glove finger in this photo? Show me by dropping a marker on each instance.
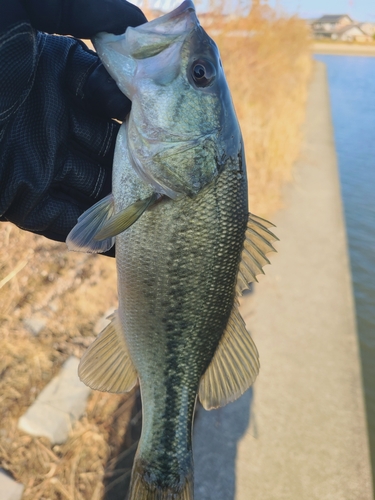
(90, 83)
(83, 18)
(112, 16)
(88, 130)
(55, 216)
(11, 13)
(18, 57)
(93, 137)
(82, 179)
(102, 94)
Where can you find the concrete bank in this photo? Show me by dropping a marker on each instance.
(344, 49)
(300, 434)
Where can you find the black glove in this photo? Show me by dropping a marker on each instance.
(56, 104)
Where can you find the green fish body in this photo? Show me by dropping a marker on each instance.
(185, 245)
(176, 298)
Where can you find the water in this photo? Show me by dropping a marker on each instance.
(352, 93)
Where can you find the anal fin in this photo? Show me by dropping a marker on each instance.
(233, 368)
(106, 365)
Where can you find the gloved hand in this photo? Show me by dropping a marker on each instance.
(57, 102)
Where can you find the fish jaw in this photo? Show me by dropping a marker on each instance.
(124, 55)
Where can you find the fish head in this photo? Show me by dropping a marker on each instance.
(182, 126)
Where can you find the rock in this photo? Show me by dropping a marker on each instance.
(58, 406)
(54, 306)
(9, 488)
(35, 324)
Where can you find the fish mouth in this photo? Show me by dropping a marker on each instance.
(148, 39)
(178, 21)
(120, 53)
(151, 38)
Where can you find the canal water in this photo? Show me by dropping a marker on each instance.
(352, 94)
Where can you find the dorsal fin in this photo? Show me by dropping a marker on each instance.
(233, 368)
(106, 365)
(258, 242)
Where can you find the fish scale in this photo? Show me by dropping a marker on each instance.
(189, 310)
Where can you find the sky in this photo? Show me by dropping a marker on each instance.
(359, 10)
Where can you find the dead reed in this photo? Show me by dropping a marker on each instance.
(267, 63)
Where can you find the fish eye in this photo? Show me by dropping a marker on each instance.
(202, 72)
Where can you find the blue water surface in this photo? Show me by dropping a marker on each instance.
(352, 94)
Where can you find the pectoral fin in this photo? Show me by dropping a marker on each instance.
(233, 368)
(81, 237)
(124, 219)
(258, 242)
(96, 229)
(106, 365)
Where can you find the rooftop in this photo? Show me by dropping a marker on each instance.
(332, 18)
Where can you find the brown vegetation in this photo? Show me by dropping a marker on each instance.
(267, 64)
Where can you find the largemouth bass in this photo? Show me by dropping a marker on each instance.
(186, 245)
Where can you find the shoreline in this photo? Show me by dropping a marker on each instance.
(343, 49)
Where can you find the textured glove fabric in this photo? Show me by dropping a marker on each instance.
(56, 133)
(82, 18)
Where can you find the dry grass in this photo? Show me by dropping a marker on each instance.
(70, 292)
(268, 73)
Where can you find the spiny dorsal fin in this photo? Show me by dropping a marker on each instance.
(263, 222)
(233, 368)
(258, 242)
(106, 365)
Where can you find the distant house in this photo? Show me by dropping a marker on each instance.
(339, 27)
(351, 33)
(368, 28)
